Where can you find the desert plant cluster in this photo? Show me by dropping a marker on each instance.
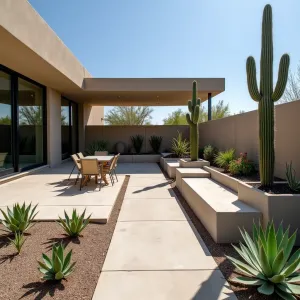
(20, 219)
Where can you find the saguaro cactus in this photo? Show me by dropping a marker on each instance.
(192, 119)
(266, 96)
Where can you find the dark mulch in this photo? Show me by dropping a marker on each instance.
(20, 278)
(277, 188)
(218, 251)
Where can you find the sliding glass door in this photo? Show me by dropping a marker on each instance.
(6, 158)
(69, 128)
(23, 131)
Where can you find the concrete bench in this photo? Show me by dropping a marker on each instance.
(170, 168)
(219, 209)
(189, 173)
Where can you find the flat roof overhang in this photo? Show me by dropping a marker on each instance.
(30, 47)
(145, 91)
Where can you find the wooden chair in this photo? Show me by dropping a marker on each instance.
(101, 153)
(80, 155)
(76, 164)
(115, 166)
(109, 169)
(89, 167)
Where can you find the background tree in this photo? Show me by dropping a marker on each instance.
(129, 115)
(177, 117)
(219, 111)
(292, 91)
(5, 120)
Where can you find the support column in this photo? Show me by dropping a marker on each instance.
(53, 127)
(209, 107)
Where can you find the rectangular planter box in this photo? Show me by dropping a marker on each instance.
(163, 162)
(187, 163)
(142, 158)
(224, 179)
(279, 208)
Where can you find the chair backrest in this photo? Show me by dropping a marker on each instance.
(117, 158)
(101, 153)
(89, 166)
(80, 155)
(77, 163)
(114, 162)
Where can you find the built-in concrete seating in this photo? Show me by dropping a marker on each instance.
(171, 166)
(189, 173)
(218, 208)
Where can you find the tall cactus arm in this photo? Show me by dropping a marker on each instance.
(190, 106)
(188, 119)
(196, 114)
(251, 79)
(194, 92)
(283, 73)
(199, 101)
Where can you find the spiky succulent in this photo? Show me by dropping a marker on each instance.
(293, 182)
(58, 267)
(223, 159)
(268, 262)
(74, 225)
(18, 241)
(20, 218)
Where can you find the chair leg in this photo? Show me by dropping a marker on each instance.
(111, 178)
(77, 178)
(71, 172)
(116, 175)
(81, 182)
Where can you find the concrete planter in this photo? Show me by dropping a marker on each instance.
(284, 207)
(224, 179)
(163, 162)
(139, 158)
(187, 163)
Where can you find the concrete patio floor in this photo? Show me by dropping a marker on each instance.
(155, 252)
(51, 189)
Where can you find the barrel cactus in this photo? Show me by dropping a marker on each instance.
(193, 119)
(266, 96)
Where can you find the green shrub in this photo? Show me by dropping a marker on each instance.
(180, 146)
(100, 145)
(20, 218)
(155, 143)
(74, 225)
(58, 267)
(223, 159)
(137, 142)
(290, 173)
(241, 166)
(267, 261)
(18, 241)
(209, 153)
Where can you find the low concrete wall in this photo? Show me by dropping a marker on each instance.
(115, 134)
(241, 133)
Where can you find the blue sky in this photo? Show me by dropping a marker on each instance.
(173, 38)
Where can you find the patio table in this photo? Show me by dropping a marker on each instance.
(101, 160)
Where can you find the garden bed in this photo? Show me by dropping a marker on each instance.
(20, 277)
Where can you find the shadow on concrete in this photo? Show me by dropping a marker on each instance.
(151, 187)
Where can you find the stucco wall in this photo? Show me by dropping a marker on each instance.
(241, 133)
(114, 134)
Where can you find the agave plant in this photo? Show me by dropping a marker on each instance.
(180, 146)
(58, 267)
(267, 261)
(137, 142)
(155, 142)
(18, 241)
(20, 218)
(74, 225)
(100, 145)
(290, 173)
